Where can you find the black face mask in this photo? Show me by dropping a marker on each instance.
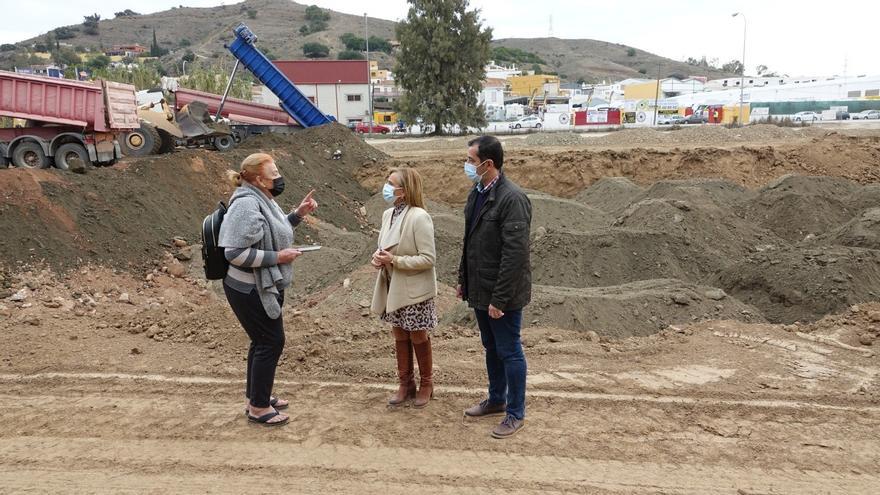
(277, 187)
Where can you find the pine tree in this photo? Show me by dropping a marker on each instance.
(155, 49)
(444, 50)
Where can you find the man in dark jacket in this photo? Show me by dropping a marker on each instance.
(495, 279)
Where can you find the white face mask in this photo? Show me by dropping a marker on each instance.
(471, 171)
(388, 193)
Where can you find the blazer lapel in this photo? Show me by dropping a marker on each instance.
(392, 233)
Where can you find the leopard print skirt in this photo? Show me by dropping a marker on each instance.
(420, 316)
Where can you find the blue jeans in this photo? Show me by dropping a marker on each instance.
(505, 360)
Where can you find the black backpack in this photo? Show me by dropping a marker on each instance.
(212, 254)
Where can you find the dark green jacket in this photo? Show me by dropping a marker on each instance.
(495, 265)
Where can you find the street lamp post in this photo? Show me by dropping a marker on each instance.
(742, 81)
(369, 73)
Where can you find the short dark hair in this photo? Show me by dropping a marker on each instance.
(489, 148)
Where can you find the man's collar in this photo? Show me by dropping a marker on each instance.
(482, 190)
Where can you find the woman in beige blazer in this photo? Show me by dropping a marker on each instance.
(407, 282)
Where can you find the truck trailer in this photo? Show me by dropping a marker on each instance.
(64, 120)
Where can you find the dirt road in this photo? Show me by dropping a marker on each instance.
(755, 410)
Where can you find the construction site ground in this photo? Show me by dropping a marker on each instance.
(705, 320)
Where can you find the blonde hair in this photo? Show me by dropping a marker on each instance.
(250, 168)
(411, 182)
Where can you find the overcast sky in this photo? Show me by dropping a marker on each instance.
(790, 36)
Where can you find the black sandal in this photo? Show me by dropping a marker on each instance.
(273, 402)
(264, 419)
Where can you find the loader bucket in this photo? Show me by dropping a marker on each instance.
(194, 120)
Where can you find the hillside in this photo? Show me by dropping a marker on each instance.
(277, 24)
(595, 60)
(205, 30)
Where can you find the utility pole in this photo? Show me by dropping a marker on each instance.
(369, 72)
(742, 80)
(657, 95)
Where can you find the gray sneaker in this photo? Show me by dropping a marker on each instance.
(485, 409)
(508, 427)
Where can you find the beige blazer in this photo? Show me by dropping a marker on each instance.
(413, 278)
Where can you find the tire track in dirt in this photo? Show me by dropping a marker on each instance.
(126, 433)
(134, 456)
(451, 389)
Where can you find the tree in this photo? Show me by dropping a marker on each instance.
(317, 20)
(581, 81)
(444, 49)
(189, 56)
(350, 55)
(155, 49)
(514, 55)
(352, 42)
(126, 13)
(66, 56)
(90, 24)
(7, 47)
(99, 62)
(378, 44)
(631, 52)
(537, 69)
(734, 66)
(64, 33)
(315, 13)
(315, 50)
(252, 13)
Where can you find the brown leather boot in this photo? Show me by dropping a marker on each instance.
(407, 390)
(426, 383)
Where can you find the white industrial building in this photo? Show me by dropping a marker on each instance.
(340, 88)
(495, 71)
(835, 88)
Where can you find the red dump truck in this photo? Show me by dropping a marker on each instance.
(64, 120)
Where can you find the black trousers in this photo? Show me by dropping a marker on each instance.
(267, 342)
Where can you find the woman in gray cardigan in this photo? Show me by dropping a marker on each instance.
(256, 235)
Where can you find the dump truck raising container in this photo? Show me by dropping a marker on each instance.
(66, 121)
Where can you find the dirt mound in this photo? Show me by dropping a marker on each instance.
(550, 212)
(610, 194)
(639, 308)
(714, 230)
(803, 283)
(721, 192)
(862, 231)
(127, 214)
(617, 256)
(795, 207)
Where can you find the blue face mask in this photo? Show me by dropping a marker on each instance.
(388, 193)
(471, 171)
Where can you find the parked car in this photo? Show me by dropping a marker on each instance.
(530, 122)
(806, 117)
(670, 119)
(842, 115)
(696, 118)
(364, 127)
(866, 115)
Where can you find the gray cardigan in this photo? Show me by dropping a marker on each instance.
(255, 220)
